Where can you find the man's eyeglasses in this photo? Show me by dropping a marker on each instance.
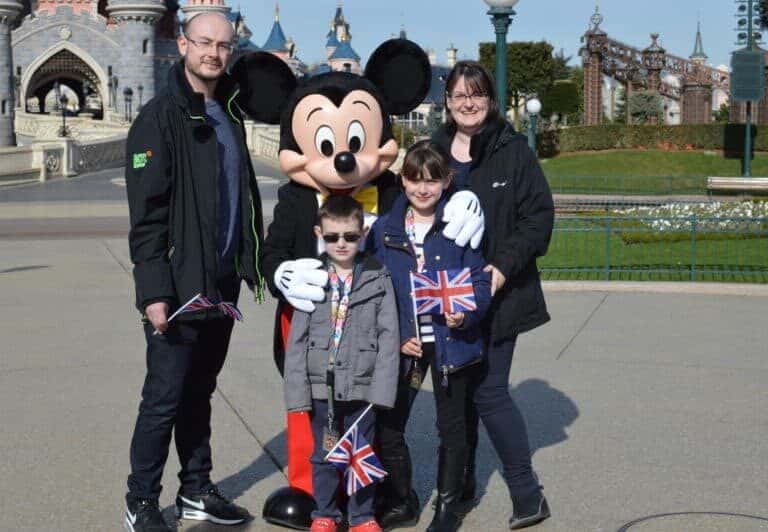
(460, 97)
(332, 238)
(206, 46)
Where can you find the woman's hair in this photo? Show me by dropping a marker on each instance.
(479, 81)
(426, 155)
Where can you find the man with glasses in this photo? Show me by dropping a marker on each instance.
(196, 229)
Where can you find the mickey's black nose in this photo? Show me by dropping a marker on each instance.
(344, 162)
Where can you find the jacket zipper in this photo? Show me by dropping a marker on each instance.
(202, 119)
(258, 295)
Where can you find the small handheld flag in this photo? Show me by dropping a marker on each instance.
(354, 457)
(200, 302)
(443, 291)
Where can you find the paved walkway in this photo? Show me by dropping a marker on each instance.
(645, 408)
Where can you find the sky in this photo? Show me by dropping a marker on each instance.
(437, 24)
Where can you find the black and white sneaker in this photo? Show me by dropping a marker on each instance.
(143, 515)
(210, 506)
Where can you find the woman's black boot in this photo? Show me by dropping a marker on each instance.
(528, 510)
(450, 487)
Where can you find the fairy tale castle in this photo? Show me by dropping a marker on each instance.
(100, 58)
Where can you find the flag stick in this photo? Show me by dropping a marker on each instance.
(413, 300)
(348, 431)
(181, 308)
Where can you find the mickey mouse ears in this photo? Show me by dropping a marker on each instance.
(400, 70)
(265, 83)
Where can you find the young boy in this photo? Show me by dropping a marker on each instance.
(343, 356)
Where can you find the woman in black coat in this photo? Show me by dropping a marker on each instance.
(495, 163)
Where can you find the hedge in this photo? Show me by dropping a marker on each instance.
(728, 137)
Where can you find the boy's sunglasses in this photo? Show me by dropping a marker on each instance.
(332, 238)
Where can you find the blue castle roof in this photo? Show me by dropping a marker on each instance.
(276, 40)
(437, 86)
(332, 40)
(344, 51)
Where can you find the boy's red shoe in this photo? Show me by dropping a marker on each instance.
(323, 524)
(368, 526)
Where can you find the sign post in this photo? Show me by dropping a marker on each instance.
(747, 78)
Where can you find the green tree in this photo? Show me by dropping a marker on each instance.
(531, 68)
(722, 115)
(561, 69)
(620, 111)
(645, 107)
(577, 76)
(561, 99)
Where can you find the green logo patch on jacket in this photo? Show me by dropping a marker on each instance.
(141, 159)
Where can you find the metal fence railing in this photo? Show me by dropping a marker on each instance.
(671, 247)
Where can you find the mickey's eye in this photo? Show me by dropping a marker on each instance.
(325, 141)
(355, 137)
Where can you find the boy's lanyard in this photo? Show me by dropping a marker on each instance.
(339, 306)
(410, 230)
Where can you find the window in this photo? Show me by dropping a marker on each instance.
(145, 47)
(5, 106)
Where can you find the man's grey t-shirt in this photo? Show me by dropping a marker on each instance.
(229, 186)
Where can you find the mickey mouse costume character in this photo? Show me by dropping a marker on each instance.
(335, 138)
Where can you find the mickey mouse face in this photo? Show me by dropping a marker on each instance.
(335, 130)
(339, 146)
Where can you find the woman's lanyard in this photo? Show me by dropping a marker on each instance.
(339, 306)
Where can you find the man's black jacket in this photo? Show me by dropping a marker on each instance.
(519, 215)
(172, 177)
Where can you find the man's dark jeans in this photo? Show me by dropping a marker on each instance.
(182, 366)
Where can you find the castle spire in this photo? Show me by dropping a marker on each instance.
(698, 49)
(277, 11)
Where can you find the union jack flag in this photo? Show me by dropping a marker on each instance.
(354, 457)
(441, 291)
(200, 302)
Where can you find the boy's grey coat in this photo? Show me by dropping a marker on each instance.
(368, 359)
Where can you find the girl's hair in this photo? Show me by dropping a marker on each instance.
(428, 155)
(479, 81)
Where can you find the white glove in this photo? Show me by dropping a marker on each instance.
(465, 219)
(301, 282)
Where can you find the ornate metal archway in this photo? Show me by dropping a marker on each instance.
(642, 69)
(66, 67)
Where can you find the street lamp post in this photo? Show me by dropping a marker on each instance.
(501, 13)
(533, 107)
(63, 101)
(128, 97)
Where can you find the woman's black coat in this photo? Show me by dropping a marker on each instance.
(519, 214)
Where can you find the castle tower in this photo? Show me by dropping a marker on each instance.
(9, 11)
(331, 42)
(136, 21)
(195, 7)
(344, 58)
(698, 56)
(452, 54)
(276, 43)
(340, 25)
(697, 90)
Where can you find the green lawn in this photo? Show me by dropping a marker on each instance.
(642, 172)
(587, 250)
